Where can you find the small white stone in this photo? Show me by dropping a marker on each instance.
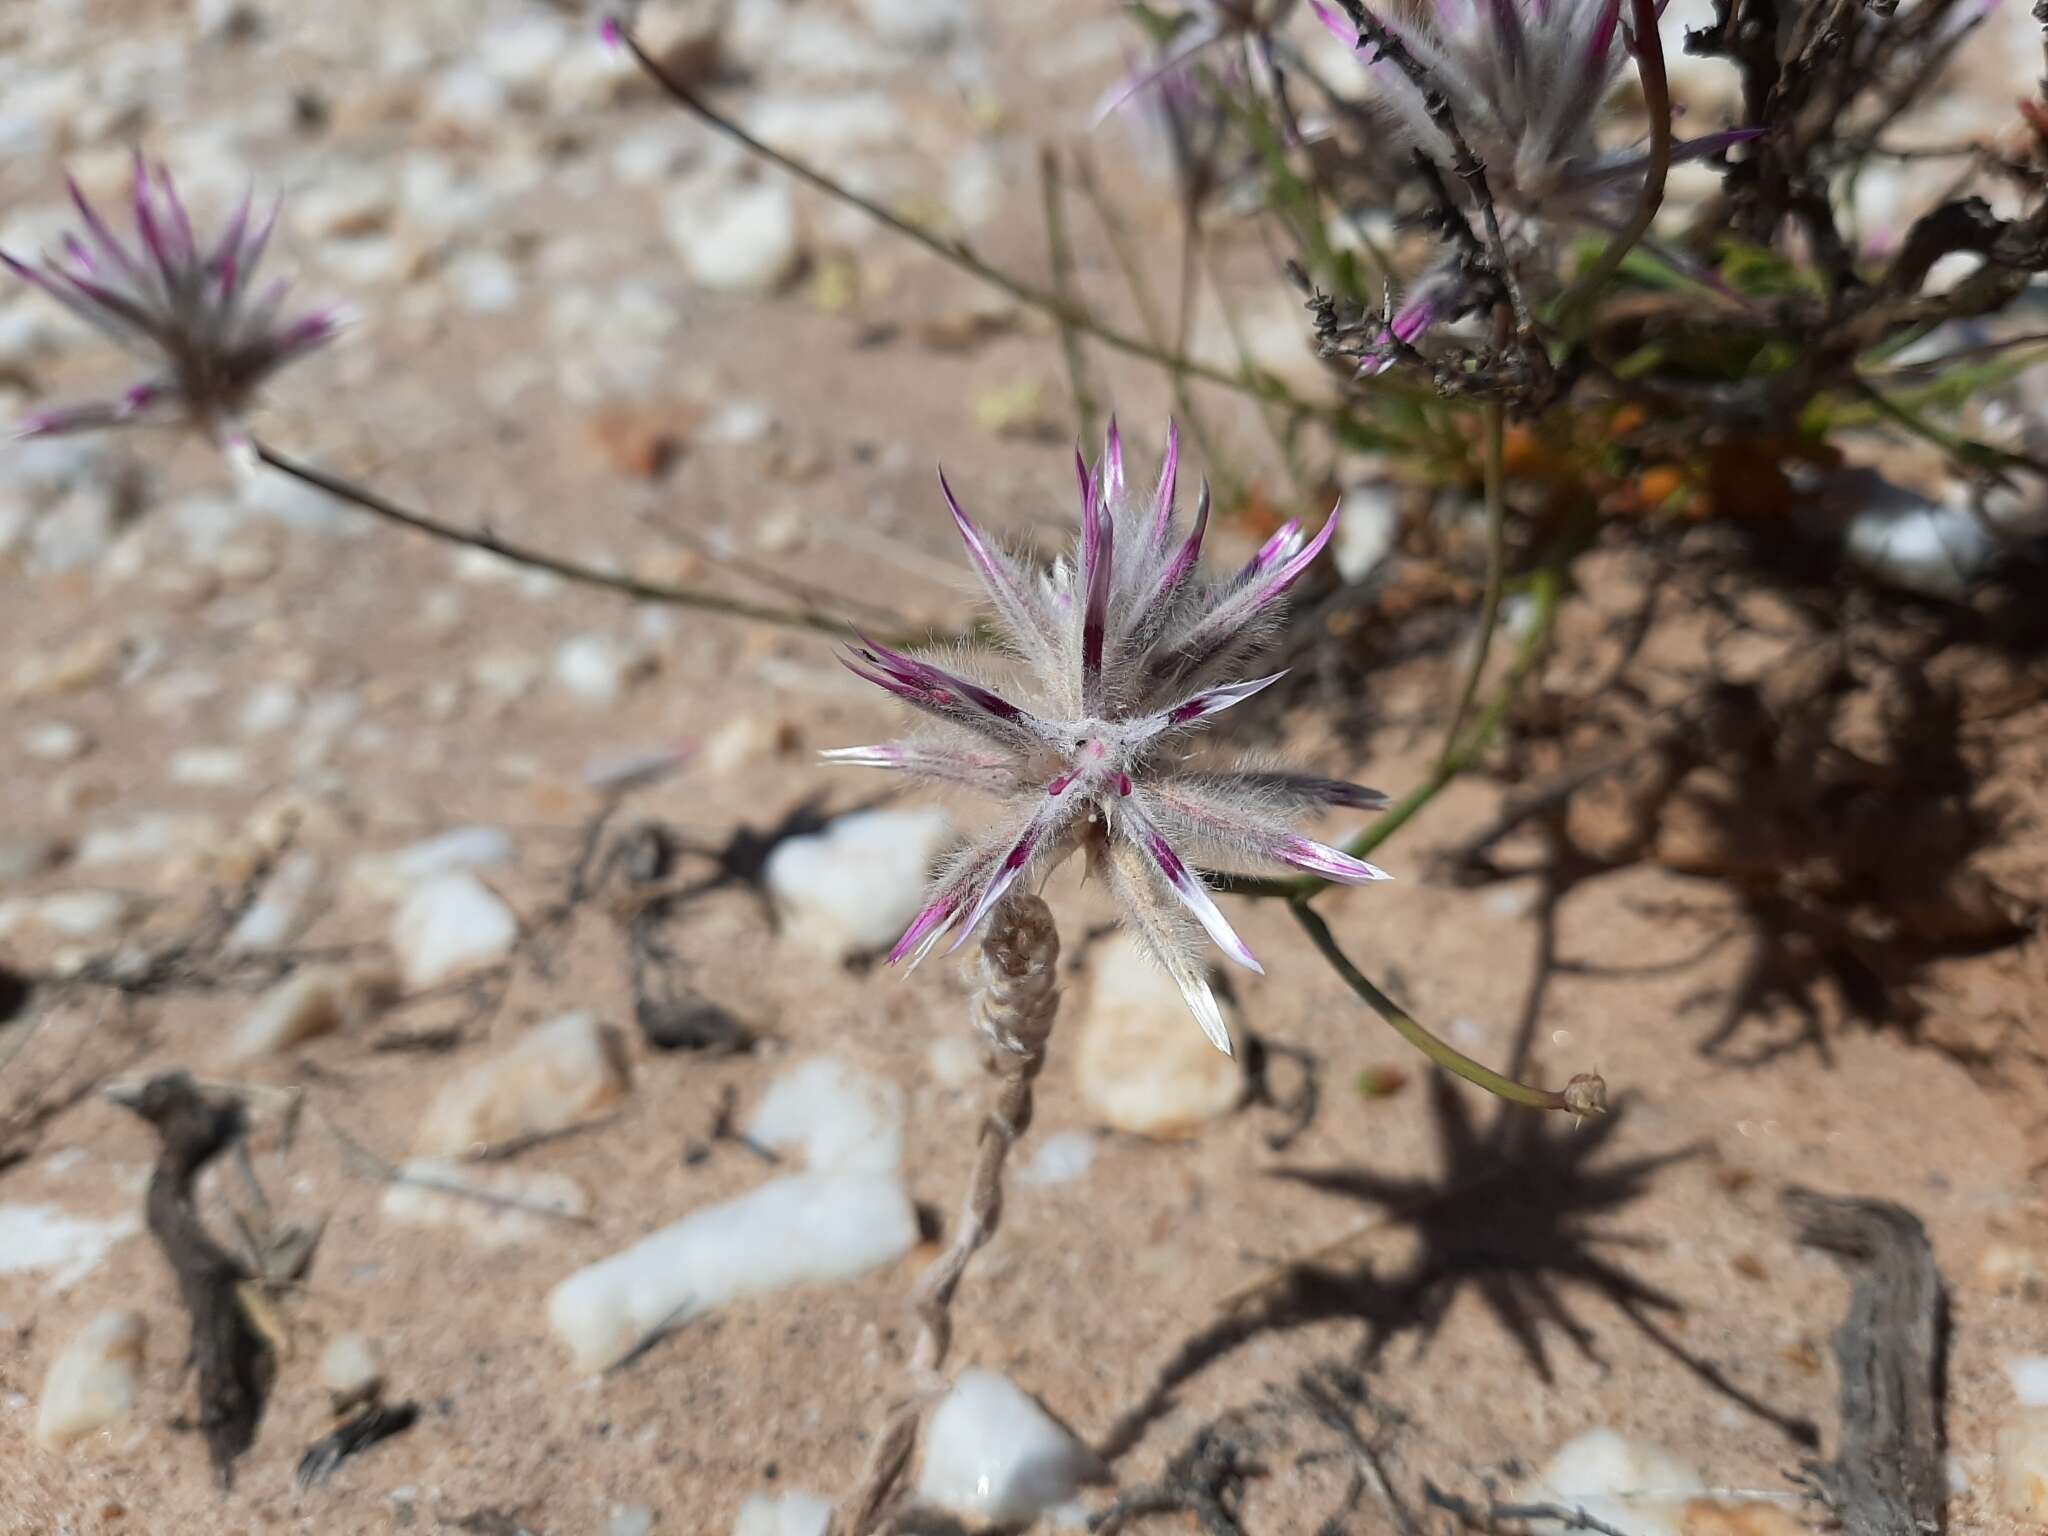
(1060, 1159)
(736, 423)
(645, 158)
(2021, 1478)
(742, 740)
(742, 240)
(1369, 522)
(319, 1000)
(80, 914)
(560, 1073)
(93, 1380)
(55, 742)
(507, 674)
(366, 263)
(348, 1363)
(502, 1206)
(268, 921)
(991, 1452)
(269, 707)
(153, 836)
(1145, 1065)
(46, 1237)
(954, 1062)
(843, 1120)
(807, 1229)
(78, 530)
(591, 77)
(629, 1520)
(1641, 1488)
(209, 767)
(467, 100)
(2029, 1377)
(926, 25)
(390, 876)
(520, 54)
(224, 18)
(595, 668)
(853, 888)
(484, 282)
(792, 1512)
(451, 924)
(1936, 548)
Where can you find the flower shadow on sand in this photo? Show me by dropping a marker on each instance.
(1514, 1214)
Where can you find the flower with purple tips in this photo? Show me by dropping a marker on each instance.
(188, 310)
(1525, 82)
(1124, 647)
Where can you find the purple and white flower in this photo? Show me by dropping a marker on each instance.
(190, 311)
(1525, 82)
(1123, 648)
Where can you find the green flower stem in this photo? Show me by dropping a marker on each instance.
(1446, 1056)
(1496, 567)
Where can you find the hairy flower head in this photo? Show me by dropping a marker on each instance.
(187, 310)
(1124, 648)
(1525, 82)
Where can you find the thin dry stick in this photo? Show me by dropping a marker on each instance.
(1119, 234)
(956, 252)
(1014, 1014)
(1060, 251)
(569, 570)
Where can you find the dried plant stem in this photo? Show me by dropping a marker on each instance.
(1649, 51)
(1060, 252)
(1014, 1014)
(1495, 418)
(1119, 235)
(569, 570)
(956, 253)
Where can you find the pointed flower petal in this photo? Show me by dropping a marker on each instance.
(1188, 887)
(1213, 701)
(1330, 863)
(1162, 498)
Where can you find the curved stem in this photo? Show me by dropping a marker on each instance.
(569, 570)
(1496, 567)
(1444, 1055)
(1649, 51)
(956, 253)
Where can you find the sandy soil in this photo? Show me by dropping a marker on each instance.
(1673, 1306)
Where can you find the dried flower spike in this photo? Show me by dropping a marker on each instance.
(1124, 649)
(185, 310)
